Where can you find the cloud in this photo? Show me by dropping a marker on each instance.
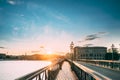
(21, 15)
(48, 11)
(86, 45)
(93, 36)
(54, 13)
(2, 47)
(16, 28)
(102, 33)
(12, 2)
(60, 16)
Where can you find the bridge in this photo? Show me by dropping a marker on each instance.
(65, 69)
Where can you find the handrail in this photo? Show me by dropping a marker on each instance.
(94, 74)
(84, 73)
(115, 61)
(115, 65)
(89, 71)
(32, 74)
(38, 74)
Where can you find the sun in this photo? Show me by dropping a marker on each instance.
(49, 52)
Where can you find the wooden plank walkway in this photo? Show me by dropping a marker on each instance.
(66, 73)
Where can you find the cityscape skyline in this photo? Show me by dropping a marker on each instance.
(27, 25)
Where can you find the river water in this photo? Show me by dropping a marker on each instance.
(10, 70)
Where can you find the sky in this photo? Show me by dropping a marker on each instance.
(34, 25)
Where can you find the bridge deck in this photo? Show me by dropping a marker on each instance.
(66, 73)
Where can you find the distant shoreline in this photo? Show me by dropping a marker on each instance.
(21, 60)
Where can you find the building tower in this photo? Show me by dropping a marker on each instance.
(72, 49)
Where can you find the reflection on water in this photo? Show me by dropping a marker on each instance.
(10, 70)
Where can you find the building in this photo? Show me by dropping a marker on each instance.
(2, 56)
(89, 53)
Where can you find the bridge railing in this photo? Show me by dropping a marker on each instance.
(47, 73)
(82, 72)
(104, 63)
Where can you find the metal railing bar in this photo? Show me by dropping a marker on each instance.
(34, 74)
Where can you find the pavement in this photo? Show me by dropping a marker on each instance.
(66, 73)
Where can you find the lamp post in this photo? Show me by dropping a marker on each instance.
(119, 51)
(112, 51)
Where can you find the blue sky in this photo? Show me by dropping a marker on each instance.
(25, 25)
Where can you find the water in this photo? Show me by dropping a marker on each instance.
(10, 70)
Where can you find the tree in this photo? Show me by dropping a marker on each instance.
(112, 53)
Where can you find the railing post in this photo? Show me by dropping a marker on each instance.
(39, 77)
(46, 75)
(85, 75)
(111, 65)
(49, 75)
(80, 74)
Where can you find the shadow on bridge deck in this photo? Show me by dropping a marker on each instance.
(66, 73)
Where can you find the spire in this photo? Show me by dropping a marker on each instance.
(113, 46)
(71, 47)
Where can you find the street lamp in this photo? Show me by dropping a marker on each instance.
(112, 51)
